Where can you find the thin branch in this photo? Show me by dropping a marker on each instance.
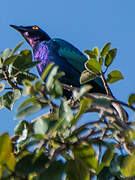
(7, 78)
(108, 91)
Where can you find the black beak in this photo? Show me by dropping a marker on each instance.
(18, 28)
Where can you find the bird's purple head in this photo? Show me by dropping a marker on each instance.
(32, 34)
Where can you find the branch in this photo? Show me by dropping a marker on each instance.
(7, 78)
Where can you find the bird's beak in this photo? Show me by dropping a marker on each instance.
(18, 28)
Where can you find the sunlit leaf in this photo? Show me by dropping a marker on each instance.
(65, 112)
(91, 54)
(110, 57)
(93, 65)
(5, 147)
(105, 49)
(46, 71)
(6, 53)
(31, 100)
(6, 156)
(114, 76)
(84, 103)
(9, 60)
(50, 79)
(127, 166)
(40, 126)
(27, 111)
(11, 162)
(96, 51)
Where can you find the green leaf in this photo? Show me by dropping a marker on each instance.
(50, 79)
(23, 76)
(6, 155)
(105, 49)
(96, 51)
(93, 66)
(114, 76)
(87, 154)
(101, 61)
(16, 48)
(26, 56)
(87, 76)
(27, 111)
(110, 57)
(58, 88)
(5, 148)
(2, 86)
(108, 155)
(65, 112)
(106, 174)
(6, 53)
(9, 60)
(53, 172)
(20, 127)
(31, 163)
(127, 166)
(40, 126)
(31, 100)
(9, 98)
(46, 71)
(84, 103)
(83, 90)
(131, 99)
(91, 54)
(77, 170)
(29, 66)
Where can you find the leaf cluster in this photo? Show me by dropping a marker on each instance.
(55, 145)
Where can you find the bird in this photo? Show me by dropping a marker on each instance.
(62, 53)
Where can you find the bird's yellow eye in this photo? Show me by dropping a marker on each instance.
(34, 27)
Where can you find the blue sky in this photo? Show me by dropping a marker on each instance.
(85, 24)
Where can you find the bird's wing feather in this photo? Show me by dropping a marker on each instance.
(73, 56)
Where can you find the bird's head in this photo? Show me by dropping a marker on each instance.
(32, 34)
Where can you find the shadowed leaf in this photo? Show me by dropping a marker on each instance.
(77, 170)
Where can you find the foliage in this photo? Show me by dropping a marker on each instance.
(54, 145)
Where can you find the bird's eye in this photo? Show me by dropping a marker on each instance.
(34, 27)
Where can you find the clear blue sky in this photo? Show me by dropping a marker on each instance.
(84, 23)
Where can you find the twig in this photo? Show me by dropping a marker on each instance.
(7, 78)
(108, 91)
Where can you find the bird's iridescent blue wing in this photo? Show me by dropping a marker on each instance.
(72, 55)
(75, 58)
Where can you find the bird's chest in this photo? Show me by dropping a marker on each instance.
(42, 54)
